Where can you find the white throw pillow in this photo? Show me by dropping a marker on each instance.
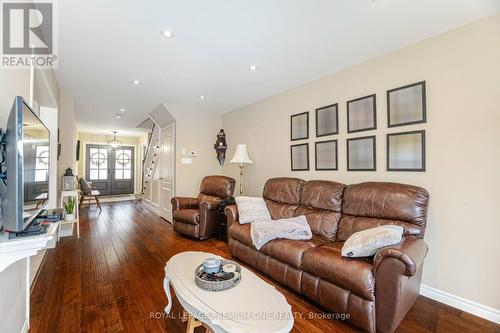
(367, 242)
(251, 209)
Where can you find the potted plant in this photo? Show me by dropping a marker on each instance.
(69, 207)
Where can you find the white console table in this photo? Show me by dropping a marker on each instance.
(12, 250)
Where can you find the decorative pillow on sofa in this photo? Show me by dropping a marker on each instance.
(251, 209)
(367, 242)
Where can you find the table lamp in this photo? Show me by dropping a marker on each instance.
(241, 157)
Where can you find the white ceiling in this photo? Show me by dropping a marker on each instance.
(105, 44)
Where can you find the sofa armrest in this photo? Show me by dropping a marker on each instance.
(411, 252)
(184, 203)
(232, 215)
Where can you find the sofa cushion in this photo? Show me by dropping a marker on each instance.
(321, 203)
(367, 205)
(354, 274)
(291, 251)
(217, 186)
(252, 209)
(190, 216)
(282, 196)
(240, 232)
(368, 242)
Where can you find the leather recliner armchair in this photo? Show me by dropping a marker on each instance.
(199, 217)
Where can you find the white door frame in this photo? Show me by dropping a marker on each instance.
(172, 167)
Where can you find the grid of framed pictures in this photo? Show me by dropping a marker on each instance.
(405, 151)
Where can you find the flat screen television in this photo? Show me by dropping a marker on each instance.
(28, 167)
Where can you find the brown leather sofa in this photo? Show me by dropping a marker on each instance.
(200, 217)
(375, 292)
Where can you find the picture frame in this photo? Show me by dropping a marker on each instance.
(299, 126)
(406, 151)
(406, 105)
(362, 154)
(362, 114)
(326, 155)
(299, 157)
(327, 120)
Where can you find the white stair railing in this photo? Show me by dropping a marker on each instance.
(152, 156)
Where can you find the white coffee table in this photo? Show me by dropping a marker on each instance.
(253, 306)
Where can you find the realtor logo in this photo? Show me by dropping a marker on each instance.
(28, 34)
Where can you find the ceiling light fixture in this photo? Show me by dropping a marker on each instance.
(167, 33)
(136, 82)
(122, 110)
(118, 115)
(253, 68)
(114, 143)
(202, 97)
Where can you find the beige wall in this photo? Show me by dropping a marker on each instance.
(462, 70)
(67, 133)
(195, 131)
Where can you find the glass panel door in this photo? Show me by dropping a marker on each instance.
(111, 171)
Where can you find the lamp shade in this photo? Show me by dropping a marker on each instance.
(241, 155)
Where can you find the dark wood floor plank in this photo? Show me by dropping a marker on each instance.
(111, 280)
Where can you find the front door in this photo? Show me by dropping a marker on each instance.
(110, 170)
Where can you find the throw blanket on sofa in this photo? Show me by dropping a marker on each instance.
(264, 231)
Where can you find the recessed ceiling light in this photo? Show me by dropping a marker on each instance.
(122, 110)
(202, 97)
(167, 33)
(253, 68)
(136, 82)
(118, 115)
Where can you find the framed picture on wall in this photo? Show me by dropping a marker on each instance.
(406, 105)
(327, 120)
(362, 114)
(299, 155)
(299, 126)
(406, 151)
(326, 155)
(361, 154)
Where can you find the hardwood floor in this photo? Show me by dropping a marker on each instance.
(110, 280)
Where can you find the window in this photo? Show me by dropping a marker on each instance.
(98, 165)
(123, 164)
(42, 164)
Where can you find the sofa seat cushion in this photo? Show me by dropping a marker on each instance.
(354, 274)
(190, 216)
(291, 251)
(240, 232)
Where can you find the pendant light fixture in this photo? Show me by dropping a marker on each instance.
(114, 143)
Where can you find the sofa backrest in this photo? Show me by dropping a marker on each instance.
(367, 205)
(321, 203)
(216, 188)
(282, 196)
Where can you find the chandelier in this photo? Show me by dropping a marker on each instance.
(114, 143)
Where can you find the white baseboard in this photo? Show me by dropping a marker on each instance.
(463, 304)
(150, 206)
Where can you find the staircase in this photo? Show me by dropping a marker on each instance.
(151, 157)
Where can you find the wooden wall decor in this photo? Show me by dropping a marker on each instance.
(220, 147)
